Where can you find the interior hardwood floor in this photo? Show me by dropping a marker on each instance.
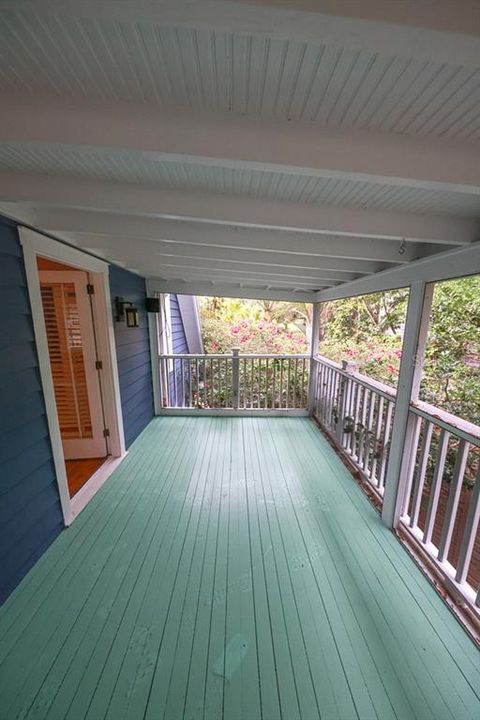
(79, 471)
(231, 569)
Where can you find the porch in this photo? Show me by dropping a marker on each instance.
(231, 568)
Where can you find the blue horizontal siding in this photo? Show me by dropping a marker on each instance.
(138, 372)
(13, 443)
(30, 512)
(133, 355)
(26, 490)
(29, 548)
(34, 510)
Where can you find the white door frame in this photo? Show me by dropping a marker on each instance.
(34, 245)
(94, 446)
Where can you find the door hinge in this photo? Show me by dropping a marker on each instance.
(90, 289)
(106, 433)
(98, 365)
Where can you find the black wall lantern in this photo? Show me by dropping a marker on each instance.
(130, 313)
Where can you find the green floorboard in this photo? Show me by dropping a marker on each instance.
(231, 569)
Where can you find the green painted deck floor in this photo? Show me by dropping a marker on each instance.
(231, 568)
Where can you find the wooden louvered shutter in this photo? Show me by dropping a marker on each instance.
(75, 378)
(66, 359)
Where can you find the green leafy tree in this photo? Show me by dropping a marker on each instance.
(368, 331)
(451, 376)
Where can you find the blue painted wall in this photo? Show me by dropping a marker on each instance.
(133, 355)
(30, 512)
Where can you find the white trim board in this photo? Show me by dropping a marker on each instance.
(34, 245)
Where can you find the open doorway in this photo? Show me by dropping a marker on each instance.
(72, 317)
(75, 368)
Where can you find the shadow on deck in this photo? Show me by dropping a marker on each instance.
(231, 568)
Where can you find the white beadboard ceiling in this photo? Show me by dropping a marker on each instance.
(342, 76)
(239, 73)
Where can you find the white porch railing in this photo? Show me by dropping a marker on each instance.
(358, 412)
(441, 507)
(277, 383)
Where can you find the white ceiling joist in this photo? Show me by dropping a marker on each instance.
(309, 275)
(167, 267)
(72, 220)
(311, 280)
(33, 189)
(136, 249)
(266, 144)
(231, 278)
(193, 253)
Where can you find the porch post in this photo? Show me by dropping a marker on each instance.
(403, 430)
(154, 351)
(313, 351)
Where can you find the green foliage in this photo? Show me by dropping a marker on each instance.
(451, 377)
(368, 331)
(254, 326)
(365, 318)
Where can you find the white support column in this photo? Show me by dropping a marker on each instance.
(411, 366)
(153, 336)
(313, 351)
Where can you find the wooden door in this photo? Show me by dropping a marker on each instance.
(71, 346)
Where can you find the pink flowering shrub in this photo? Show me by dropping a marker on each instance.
(379, 360)
(252, 336)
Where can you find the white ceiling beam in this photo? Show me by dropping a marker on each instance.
(156, 265)
(146, 251)
(72, 220)
(442, 31)
(444, 266)
(293, 275)
(225, 274)
(237, 141)
(32, 189)
(241, 280)
(192, 253)
(209, 289)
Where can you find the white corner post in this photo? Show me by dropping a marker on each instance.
(154, 351)
(400, 461)
(314, 339)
